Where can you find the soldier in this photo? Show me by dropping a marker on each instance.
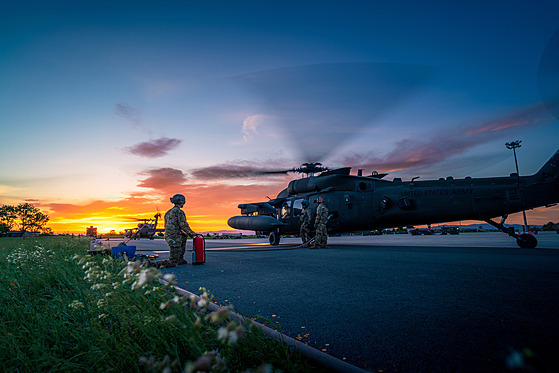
(321, 237)
(176, 232)
(306, 219)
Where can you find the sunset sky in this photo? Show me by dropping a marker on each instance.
(107, 109)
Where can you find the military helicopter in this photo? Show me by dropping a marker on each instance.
(147, 229)
(369, 202)
(358, 202)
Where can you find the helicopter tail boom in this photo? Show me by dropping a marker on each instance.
(550, 170)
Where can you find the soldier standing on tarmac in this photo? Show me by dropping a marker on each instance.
(306, 219)
(321, 237)
(176, 232)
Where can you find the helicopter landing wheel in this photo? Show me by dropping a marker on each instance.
(526, 241)
(274, 238)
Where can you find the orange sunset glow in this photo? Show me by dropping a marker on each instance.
(208, 207)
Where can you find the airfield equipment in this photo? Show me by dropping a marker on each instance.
(146, 229)
(198, 250)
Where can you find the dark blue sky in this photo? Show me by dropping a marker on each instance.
(113, 83)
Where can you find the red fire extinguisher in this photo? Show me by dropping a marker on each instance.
(198, 250)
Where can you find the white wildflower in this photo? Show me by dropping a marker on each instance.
(76, 304)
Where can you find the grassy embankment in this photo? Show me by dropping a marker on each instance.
(62, 310)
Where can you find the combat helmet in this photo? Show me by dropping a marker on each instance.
(178, 198)
(305, 203)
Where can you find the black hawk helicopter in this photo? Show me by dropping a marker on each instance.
(359, 203)
(146, 229)
(369, 202)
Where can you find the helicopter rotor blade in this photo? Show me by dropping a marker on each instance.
(321, 106)
(275, 172)
(234, 171)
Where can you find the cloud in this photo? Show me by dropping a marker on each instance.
(250, 126)
(238, 170)
(128, 112)
(411, 153)
(154, 148)
(6, 189)
(163, 178)
(225, 171)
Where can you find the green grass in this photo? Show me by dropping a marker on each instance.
(62, 310)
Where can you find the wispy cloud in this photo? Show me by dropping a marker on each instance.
(163, 179)
(154, 148)
(128, 112)
(435, 148)
(250, 127)
(238, 170)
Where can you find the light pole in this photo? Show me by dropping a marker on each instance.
(513, 145)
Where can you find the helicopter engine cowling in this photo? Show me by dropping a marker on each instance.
(264, 223)
(306, 185)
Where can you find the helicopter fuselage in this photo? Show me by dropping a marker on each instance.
(361, 203)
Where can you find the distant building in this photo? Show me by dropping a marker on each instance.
(13, 234)
(91, 231)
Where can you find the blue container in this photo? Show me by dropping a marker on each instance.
(119, 251)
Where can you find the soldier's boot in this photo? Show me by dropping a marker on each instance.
(182, 261)
(165, 264)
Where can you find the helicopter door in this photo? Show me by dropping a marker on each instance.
(290, 212)
(286, 210)
(297, 207)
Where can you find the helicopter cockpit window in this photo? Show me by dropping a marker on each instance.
(297, 207)
(285, 211)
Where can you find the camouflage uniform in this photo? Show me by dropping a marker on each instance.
(306, 219)
(176, 232)
(321, 237)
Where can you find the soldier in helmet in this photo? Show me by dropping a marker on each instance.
(321, 236)
(176, 232)
(306, 219)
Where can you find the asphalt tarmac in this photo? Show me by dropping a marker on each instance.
(394, 303)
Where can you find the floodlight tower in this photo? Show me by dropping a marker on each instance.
(513, 145)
